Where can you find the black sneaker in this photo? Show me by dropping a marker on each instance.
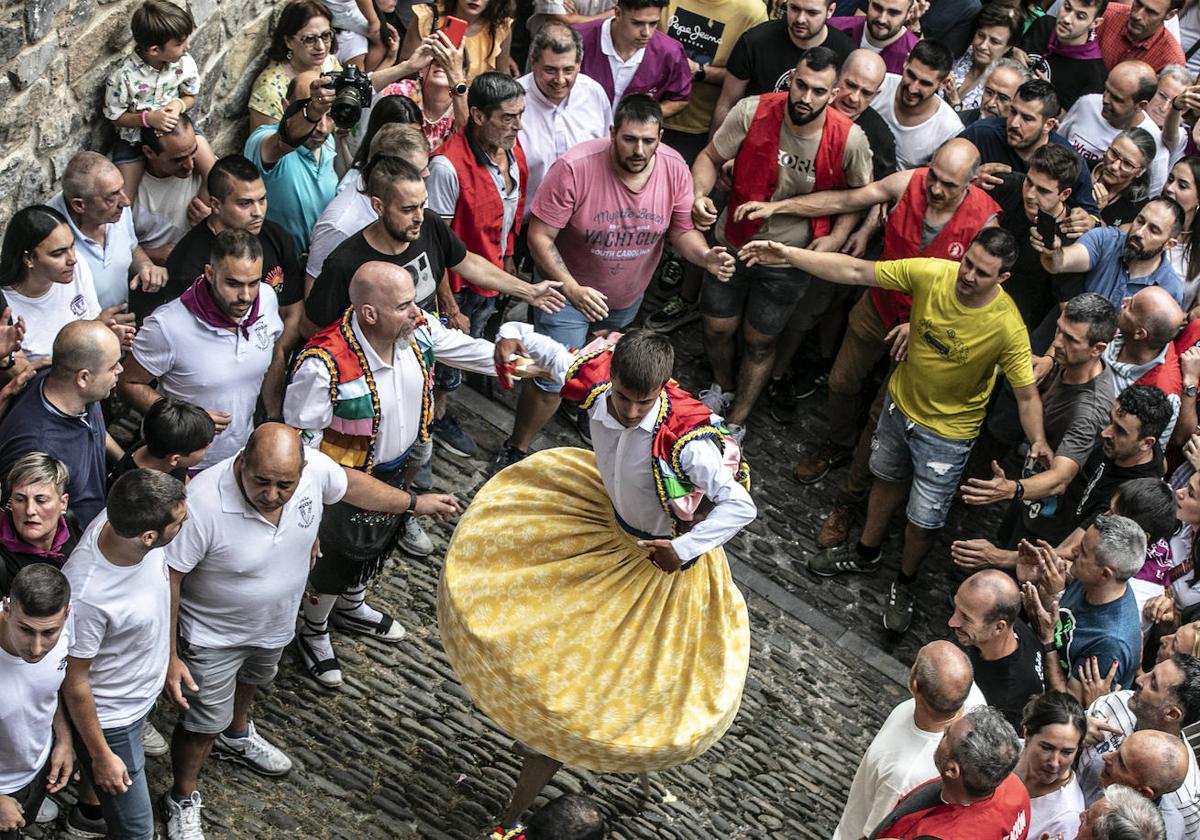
(506, 457)
(453, 437)
(84, 827)
(783, 403)
(672, 272)
(811, 377)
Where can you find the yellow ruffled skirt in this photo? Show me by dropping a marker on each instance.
(565, 635)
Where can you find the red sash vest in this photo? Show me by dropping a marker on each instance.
(902, 238)
(756, 170)
(479, 213)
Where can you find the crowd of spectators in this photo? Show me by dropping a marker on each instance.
(975, 224)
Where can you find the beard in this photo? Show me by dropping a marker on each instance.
(800, 117)
(400, 234)
(1135, 250)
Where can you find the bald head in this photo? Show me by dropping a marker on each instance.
(941, 677)
(83, 345)
(859, 80)
(1156, 312)
(1129, 88)
(276, 444)
(384, 302)
(867, 64)
(377, 283)
(1158, 759)
(997, 591)
(958, 157)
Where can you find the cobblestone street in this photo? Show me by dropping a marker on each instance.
(401, 753)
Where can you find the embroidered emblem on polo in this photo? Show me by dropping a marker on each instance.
(306, 512)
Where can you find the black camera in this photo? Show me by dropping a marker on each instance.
(353, 92)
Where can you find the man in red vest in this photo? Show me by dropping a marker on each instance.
(476, 183)
(783, 145)
(937, 201)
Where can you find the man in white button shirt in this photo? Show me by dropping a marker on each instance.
(563, 107)
(237, 575)
(376, 361)
(35, 740)
(216, 346)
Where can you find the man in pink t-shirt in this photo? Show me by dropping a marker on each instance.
(598, 225)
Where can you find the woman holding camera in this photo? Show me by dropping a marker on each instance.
(303, 40)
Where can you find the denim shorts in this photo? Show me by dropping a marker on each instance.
(765, 297)
(478, 310)
(216, 672)
(902, 450)
(125, 152)
(570, 328)
(130, 815)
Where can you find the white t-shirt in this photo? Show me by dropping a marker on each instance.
(29, 701)
(900, 758)
(1177, 256)
(348, 213)
(244, 576)
(168, 199)
(1090, 135)
(212, 367)
(122, 622)
(46, 315)
(1058, 812)
(915, 144)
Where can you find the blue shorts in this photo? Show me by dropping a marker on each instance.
(570, 328)
(902, 450)
(130, 815)
(125, 152)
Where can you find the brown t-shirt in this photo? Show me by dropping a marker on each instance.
(796, 171)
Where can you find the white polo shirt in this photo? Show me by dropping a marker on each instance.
(27, 714)
(122, 620)
(622, 70)
(245, 576)
(548, 131)
(212, 367)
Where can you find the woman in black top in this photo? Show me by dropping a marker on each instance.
(35, 528)
(1120, 182)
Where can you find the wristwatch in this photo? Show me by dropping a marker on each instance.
(1189, 390)
(698, 76)
(459, 89)
(1049, 647)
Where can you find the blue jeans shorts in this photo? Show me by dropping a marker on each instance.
(570, 328)
(130, 815)
(902, 450)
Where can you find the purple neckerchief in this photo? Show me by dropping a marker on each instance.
(1080, 52)
(10, 539)
(199, 301)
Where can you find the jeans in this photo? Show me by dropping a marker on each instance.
(569, 327)
(478, 310)
(130, 815)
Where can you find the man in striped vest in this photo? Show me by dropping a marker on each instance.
(362, 392)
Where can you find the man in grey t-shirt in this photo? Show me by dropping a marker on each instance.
(1077, 390)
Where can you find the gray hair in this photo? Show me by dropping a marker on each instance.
(38, 468)
(491, 90)
(1122, 546)
(1011, 64)
(79, 178)
(987, 752)
(1177, 72)
(559, 38)
(1130, 816)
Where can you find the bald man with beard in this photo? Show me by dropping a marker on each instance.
(901, 754)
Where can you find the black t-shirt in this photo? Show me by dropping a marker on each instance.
(1071, 77)
(1008, 683)
(437, 249)
(1034, 290)
(765, 56)
(883, 143)
(1099, 479)
(1122, 209)
(281, 268)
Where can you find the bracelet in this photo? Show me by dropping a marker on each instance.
(1049, 647)
(304, 111)
(1019, 492)
(412, 502)
(145, 122)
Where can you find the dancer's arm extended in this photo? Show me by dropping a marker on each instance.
(550, 356)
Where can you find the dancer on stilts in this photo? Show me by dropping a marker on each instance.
(586, 603)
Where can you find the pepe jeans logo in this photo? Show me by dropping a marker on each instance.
(306, 512)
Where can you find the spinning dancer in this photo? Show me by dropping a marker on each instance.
(586, 603)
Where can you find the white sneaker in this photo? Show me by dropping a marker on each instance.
(254, 751)
(738, 433)
(414, 540)
(48, 812)
(715, 399)
(183, 818)
(153, 743)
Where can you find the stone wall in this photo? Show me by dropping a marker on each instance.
(56, 55)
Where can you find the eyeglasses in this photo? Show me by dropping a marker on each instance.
(311, 40)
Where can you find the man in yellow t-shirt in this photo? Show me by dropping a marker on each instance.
(963, 327)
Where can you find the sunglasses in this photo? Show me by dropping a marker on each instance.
(311, 40)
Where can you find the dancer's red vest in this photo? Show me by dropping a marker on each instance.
(756, 169)
(479, 213)
(682, 419)
(902, 238)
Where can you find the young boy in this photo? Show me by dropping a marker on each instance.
(175, 437)
(152, 87)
